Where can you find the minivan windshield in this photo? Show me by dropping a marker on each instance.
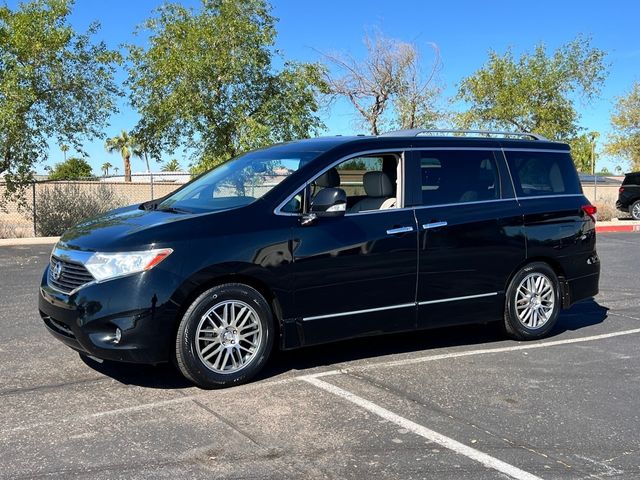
(237, 182)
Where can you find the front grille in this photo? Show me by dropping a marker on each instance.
(72, 275)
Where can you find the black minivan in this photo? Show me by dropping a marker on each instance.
(629, 195)
(326, 239)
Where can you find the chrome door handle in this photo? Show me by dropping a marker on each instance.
(427, 226)
(395, 231)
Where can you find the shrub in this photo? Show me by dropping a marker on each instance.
(607, 211)
(60, 207)
(15, 229)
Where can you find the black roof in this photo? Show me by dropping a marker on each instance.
(323, 144)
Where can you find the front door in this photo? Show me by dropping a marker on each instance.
(356, 275)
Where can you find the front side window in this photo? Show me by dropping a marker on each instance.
(458, 176)
(370, 182)
(237, 182)
(543, 173)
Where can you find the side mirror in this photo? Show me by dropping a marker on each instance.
(329, 202)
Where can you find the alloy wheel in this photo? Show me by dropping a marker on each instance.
(228, 336)
(535, 300)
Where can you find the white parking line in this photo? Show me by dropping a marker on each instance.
(469, 353)
(407, 361)
(435, 437)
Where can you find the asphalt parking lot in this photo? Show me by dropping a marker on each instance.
(443, 404)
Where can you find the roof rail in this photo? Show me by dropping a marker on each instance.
(415, 132)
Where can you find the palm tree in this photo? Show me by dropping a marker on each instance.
(115, 170)
(171, 166)
(126, 145)
(64, 149)
(105, 168)
(140, 150)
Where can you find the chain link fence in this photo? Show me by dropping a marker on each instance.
(48, 206)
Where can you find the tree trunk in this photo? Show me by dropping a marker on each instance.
(127, 169)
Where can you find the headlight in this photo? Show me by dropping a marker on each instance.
(104, 266)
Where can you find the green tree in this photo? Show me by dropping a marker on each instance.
(105, 168)
(536, 92)
(71, 169)
(207, 83)
(357, 164)
(624, 142)
(54, 84)
(583, 151)
(126, 146)
(171, 166)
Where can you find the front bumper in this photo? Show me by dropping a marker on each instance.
(139, 305)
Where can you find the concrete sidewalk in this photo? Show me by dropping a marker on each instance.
(9, 242)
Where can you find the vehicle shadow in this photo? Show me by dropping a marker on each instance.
(163, 376)
(580, 315)
(166, 376)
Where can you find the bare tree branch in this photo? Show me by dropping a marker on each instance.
(388, 85)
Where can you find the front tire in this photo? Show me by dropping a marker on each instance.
(225, 336)
(533, 302)
(635, 210)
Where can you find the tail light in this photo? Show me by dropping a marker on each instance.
(590, 210)
(621, 189)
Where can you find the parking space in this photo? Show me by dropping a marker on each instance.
(454, 403)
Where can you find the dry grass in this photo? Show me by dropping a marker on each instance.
(13, 230)
(607, 211)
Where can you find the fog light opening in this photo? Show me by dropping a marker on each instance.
(118, 336)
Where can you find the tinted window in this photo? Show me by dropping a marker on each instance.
(458, 176)
(633, 179)
(543, 173)
(237, 182)
(295, 204)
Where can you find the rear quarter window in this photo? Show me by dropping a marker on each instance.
(633, 179)
(543, 173)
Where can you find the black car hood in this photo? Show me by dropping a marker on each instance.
(126, 227)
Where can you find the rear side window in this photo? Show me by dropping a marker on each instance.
(543, 173)
(458, 176)
(633, 179)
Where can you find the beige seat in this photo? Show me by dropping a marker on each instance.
(379, 190)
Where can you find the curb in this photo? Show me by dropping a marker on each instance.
(617, 228)
(11, 242)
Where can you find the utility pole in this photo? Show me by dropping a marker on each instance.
(593, 136)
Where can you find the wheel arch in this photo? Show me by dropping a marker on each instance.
(555, 266)
(202, 281)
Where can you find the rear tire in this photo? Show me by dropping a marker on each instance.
(532, 302)
(635, 210)
(225, 336)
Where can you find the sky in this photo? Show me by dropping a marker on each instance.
(464, 32)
